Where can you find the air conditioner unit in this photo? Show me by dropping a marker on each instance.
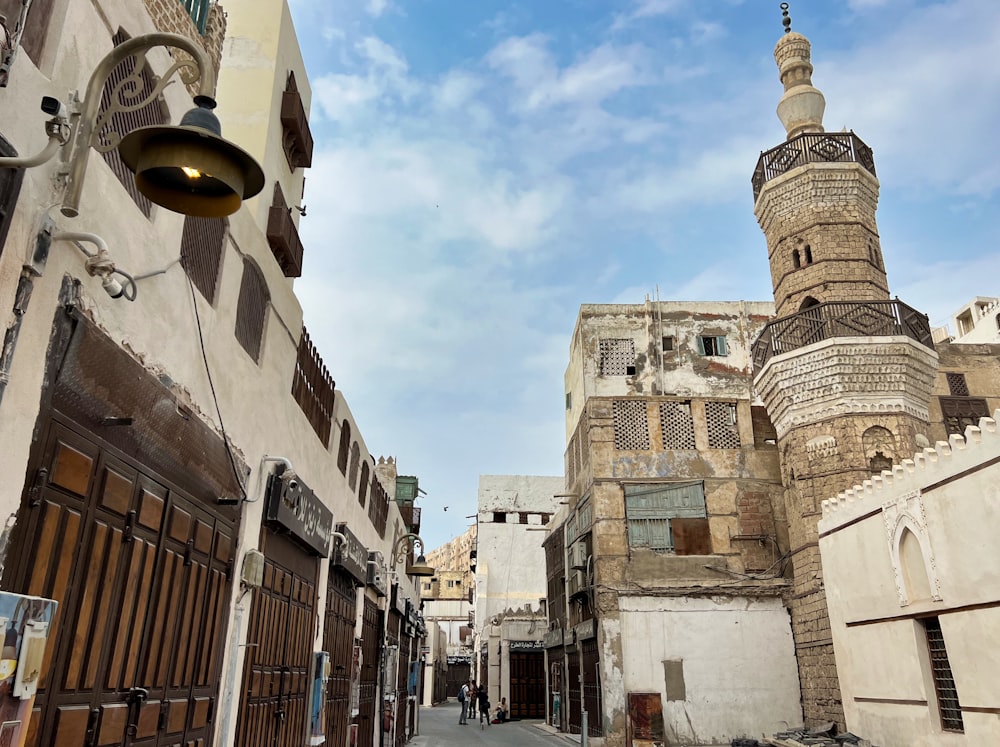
(578, 555)
(577, 584)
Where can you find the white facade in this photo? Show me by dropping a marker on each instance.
(160, 330)
(911, 551)
(977, 321)
(513, 513)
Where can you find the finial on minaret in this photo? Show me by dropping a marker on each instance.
(801, 107)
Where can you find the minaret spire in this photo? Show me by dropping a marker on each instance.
(801, 107)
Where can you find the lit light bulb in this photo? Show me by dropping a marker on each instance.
(191, 173)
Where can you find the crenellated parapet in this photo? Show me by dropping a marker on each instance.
(930, 466)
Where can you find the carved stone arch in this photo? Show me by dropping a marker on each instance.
(910, 552)
(916, 576)
(808, 302)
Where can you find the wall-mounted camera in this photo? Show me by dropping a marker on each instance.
(54, 107)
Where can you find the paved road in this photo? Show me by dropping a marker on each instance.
(439, 728)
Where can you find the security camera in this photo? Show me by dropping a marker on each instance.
(112, 287)
(53, 107)
(291, 479)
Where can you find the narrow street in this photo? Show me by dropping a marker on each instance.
(439, 727)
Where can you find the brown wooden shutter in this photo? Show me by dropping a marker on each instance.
(691, 536)
(124, 122)
(10, 186)
(252, 310)
(202, 244)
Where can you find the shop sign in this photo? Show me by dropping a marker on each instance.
(296, 509)
(526, 645)
(351, 556)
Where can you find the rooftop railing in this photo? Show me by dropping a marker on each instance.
(840, 319)
(811, 147)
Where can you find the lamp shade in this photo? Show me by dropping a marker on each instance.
(420, 568)
(189, 168)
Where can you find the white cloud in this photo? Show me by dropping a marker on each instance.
(643, 9)
(376, 8)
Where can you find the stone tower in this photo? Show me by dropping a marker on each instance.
(846, 372)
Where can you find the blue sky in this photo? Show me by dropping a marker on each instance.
(482, 168)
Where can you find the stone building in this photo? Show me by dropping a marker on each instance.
(977, 321)
(510, 614)
(911, 576)
(672, 539)
(183, 476)
(447, 605)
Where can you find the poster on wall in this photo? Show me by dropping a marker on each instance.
(317, 713)
(356, 662)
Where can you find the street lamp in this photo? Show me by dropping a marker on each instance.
(188, 168)
(401, 550)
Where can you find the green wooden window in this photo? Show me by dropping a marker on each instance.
(650, 508)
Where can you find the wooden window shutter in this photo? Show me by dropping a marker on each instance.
(10, 187)
(251, 313)
(124, 122)
(202, 244)
(691, 536)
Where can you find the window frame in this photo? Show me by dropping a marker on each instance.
(719, 346)
(644, 521)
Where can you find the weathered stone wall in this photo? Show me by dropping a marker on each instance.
(980, 363)
(829, 208)
(172, 17)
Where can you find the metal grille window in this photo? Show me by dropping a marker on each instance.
(126, 84)
(617, 356)
(944, 682)
(961, 412)
(652, 509)
(585, 515)
(956, 385)
(251, 313)
(676, 425)
(722, 430)
(202, 243)
(631, 425)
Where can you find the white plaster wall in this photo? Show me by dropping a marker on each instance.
(739, 665)
(159, 329)
(684, 372)
(951, 496)
(510, 569)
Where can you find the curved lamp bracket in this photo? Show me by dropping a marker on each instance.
(126, 97)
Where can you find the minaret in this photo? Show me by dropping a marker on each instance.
(845, 372)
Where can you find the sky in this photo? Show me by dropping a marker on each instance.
(483, 168)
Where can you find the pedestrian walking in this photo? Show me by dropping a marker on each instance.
(484, 706)
(463, 700)
(473, 693)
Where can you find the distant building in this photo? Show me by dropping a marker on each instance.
(977, 321)
(447, 607)
(510, 605)
(672, 541)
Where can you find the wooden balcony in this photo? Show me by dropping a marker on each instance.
(313, 388)
(283, 237)
(296, 137)
(840, 319)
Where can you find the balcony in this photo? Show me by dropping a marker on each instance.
(296, 137)
(284, 239)
(811, 147)
(411, 517)
(840, 319)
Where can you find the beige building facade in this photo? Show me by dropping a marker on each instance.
(912, 582)
(665, 566)
(179, 454)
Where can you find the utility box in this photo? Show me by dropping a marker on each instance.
(25, 624)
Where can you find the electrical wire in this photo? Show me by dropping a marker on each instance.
(211, 386)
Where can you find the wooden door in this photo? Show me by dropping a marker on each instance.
(274, 710)
(141, 573)
(371, 651)
(527, 684)
(338, 640)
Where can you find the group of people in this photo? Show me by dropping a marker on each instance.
(475, 699)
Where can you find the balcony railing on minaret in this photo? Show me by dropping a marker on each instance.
(840, 319)
(811, 147)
